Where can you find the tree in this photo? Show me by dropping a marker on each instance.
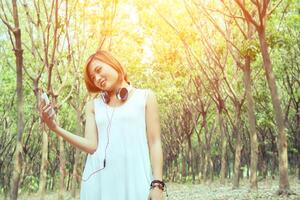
(17, 47)
(260, 26)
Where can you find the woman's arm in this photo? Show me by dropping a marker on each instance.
(89, 142)
(154, 138)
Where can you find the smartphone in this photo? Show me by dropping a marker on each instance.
(45, 98)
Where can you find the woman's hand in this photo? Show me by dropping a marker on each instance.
(155, 194)
(47, 116)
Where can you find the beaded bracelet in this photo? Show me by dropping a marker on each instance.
(157, 185)
(160, 184)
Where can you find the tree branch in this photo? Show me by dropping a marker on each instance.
(246, 13)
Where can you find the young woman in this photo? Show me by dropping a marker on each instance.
(122, 136)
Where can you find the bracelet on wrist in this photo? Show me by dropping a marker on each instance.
(157, 186)
(157, 183)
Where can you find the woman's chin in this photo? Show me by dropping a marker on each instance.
(106, 87)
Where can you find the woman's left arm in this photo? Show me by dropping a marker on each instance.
(154, 142)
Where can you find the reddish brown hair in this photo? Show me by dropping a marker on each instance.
(107, 58)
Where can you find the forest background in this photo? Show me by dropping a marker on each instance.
(225, 73)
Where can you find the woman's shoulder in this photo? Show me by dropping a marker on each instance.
(148, 93)
(89, 106)
(145, 89)
(150, 98)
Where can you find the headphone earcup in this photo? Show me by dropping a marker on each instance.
(122, 94)
(105, 97)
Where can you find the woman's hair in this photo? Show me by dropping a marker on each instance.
(107, 58)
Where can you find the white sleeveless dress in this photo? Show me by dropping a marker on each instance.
(128, 174)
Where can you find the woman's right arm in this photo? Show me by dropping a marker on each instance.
(89, 142)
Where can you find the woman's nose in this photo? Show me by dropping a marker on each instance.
(97, 77)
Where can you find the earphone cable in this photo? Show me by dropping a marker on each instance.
(108, 133)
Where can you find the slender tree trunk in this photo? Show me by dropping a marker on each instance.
(61, 169)
(298, 139)
(6, 184)
(175, 170)
(75, 173)
(264, 157)
(282, 138)
(62, 162)
(211, 169)
(207, 157)
(238, 148)
(201, 155)
(247, 170)
(20, 118)
(299, 152)
(205, 169)
(274, 158)
(223, 147)
(44, 165)
(183, 160)
(16, 172)
(251, 121)
(190, 158)
(77, 158)
(298, 166)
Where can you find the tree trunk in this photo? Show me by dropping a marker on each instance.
(16, 172)
(175, 170)
(61, 169)
(223, 147)
(264, 156)
(20, 118)
(251, 121)
(211, 169)
(207, 157)
(299, 152)
(205, 170)
(282, 138)
(44, 165)
(183, 161)
(190, 157)
(238, 148)
(6, 183)
(201, 155)
(298, 139)
(77, 158)
(298, 166)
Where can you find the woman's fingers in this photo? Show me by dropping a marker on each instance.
(45, 112)
(46, 106)
(47, 109)
(51, 115)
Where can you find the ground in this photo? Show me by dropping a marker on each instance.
(214, 191)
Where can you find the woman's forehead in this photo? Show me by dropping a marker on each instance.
(95, 62)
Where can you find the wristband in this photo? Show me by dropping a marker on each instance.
(160, 184)
(157, 183)
(159, 187)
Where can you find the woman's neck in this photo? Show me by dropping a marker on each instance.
(112, 93)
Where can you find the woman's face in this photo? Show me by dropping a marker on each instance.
(103, 75)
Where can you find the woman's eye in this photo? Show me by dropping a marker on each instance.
(98, 69)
